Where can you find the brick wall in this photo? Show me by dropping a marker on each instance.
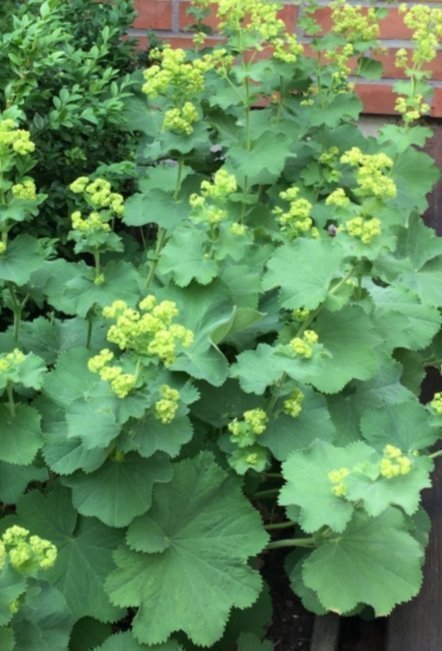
(169, 19)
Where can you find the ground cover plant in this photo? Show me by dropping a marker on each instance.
(228, 361)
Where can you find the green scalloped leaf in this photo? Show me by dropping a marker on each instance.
(43, 621)
(320, 261)
(85, 548)
(205, 530)
(127, 642)
(120, 490)
(404, 491)
(405, 425)
(93, 418)
(21, 436)
(14, 480)
(351, 339)
(308, 486)
(62, 454)
(375, 561)
(121, 283)
(12, 585)
(184, 257)
(257, 369)
(148, 435)
(22, 257)
(401, 318)
(71, 378)
(285, 434)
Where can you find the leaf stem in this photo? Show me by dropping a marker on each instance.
(279, 525)
(270, 492)
(435, 455)
(291, 542)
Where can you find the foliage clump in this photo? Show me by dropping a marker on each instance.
(231, 351)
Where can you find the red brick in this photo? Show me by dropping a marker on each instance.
(390, 70)
(379, 99)
(391, 27)
(186, 20)
(153, 14)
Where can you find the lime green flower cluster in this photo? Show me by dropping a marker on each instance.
(394, 463)
(209, 205)
(303, 346)
(426, 22)
(340, 57)
(10, 361)
(181, 120)
(238, 229)
(287, 49)
(10, 364)
(355, 23)
(293, 404)
(148, 331)
(337, 198)
(363, 229)
(337, 479)
(167, 406)
(93, 232)
(257, 20)
(298, 218)
(98, 194)
(174, 76)
(244, 431)
(25, 190)
(179, 81)
(26, 553)
(13, 140)
(436, 403)
(301, 314)
(370, 176)
(411, 108)
(121, 383)
(94, 222)
(328, 160)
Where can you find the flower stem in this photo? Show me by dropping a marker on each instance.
(11, 403)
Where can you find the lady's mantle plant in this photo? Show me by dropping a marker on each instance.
(232, 363)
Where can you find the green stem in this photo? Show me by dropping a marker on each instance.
(11, 403)
(90, 325)
(279, 525)
(97, 263)
(435, 455)
(16, 310)
(267, 493)
(337, 287)
(292, 542)
(162, 234)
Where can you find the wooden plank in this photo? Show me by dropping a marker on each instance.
(325, 633)
(417, 626)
